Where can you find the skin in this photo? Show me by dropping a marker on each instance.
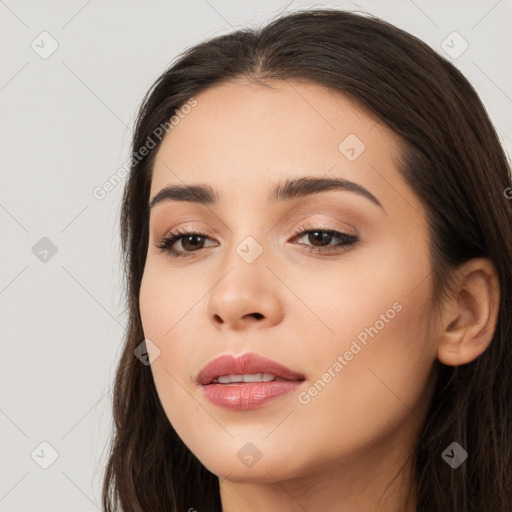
(344, 449)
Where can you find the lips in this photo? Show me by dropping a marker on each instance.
(247, 382)
(244, 365)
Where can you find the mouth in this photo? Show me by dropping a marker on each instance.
(246, 382)
(248, 377)
(247, 368)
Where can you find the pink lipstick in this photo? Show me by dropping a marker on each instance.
(246, 382)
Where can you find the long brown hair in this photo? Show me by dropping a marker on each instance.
(453, 161)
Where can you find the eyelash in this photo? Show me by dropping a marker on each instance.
(168, 240)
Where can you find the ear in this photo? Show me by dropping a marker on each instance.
(469, 316)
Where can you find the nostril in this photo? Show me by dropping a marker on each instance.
(257, 315)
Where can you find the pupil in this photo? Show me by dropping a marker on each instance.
(196, 240)
(320, 236)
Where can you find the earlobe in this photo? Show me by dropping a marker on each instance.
(470, 315)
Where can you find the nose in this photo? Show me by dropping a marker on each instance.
(247, 295)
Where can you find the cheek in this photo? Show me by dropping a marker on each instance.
(379, 298)
(166, 299)
(170, 308)
(375, 373)
(372, 364)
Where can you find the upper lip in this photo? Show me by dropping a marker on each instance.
(245, 364)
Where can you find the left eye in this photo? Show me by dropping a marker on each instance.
(192, 241)
(324, 237)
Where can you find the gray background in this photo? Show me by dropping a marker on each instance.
(65, 129)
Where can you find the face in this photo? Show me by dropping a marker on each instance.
(332, 283)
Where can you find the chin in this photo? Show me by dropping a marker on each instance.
(245, 465)
(260, 473)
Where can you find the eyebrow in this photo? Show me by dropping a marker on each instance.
(289, 189)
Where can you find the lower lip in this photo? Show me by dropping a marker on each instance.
(250, 395)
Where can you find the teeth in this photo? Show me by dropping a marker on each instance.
(247, 377)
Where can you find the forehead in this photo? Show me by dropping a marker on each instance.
(241, 137)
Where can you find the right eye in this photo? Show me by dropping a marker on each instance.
(192, 239)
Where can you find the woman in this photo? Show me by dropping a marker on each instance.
(318, 248)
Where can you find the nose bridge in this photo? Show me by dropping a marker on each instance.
(244, 266)
(250, 244)
(248, 235)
